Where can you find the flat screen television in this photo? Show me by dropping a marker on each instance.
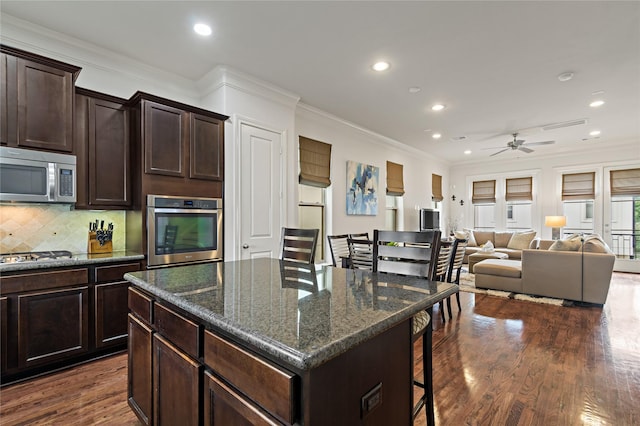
(429, 219)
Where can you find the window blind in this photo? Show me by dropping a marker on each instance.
(579, 186)
(519, 189)
(484, 191)
(436, 187)
(395, 180)
(625, 182)
(315, 162)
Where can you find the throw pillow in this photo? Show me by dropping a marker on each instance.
(487, 247)
(471, 240)
(566, 245)
(502, 238)
(482, 237)
(521, 240)
(460, 235)
(595, 244)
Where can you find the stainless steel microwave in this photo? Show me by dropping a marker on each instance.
(37, 176)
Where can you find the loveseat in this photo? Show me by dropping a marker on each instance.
(510, 243)
(581, 272)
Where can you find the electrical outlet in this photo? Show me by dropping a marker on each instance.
(371, 400)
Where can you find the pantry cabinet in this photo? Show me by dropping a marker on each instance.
(37, 101)
(102, 148)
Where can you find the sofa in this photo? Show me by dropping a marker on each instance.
(580, 272)
(510, 243)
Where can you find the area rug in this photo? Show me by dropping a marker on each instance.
(467, 283)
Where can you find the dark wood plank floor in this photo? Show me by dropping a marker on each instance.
(499, 362)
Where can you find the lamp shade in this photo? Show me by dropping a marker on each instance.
(555, 221)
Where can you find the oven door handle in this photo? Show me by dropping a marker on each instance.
(163, 210)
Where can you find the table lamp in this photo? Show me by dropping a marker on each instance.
(555, 223)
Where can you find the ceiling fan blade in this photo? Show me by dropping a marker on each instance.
(541, 143)
(518, 142)
(496, 153)
(525, 149)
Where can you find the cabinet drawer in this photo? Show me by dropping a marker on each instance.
(140, 305)
(269, 386)
(43, 280)
(115, 272)
(181, 331)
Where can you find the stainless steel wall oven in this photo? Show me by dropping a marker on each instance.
(183, 230)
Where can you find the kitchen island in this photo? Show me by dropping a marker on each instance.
(218, 342)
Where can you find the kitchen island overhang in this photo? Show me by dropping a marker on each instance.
(301, 329)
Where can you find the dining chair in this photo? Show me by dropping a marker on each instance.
(360, 236)
(442, 268)
(299, 245)
(455, 267)
(339, 247)
(415, 254)
(360, 253)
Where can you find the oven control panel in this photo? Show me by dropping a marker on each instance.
(166, 202)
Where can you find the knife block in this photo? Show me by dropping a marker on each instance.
(93, 245)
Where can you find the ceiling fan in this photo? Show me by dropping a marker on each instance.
(518, 144)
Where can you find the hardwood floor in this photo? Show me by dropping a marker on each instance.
(499, 362)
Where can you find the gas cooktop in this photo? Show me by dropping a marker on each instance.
(35, 256)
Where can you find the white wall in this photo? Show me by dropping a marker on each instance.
(350, 142)
(548, 182)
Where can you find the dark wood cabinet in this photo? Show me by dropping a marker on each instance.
(178, 148)
(177, 384)
(37, 106)
(224, 406)
(52, 325)
(4, 101)
(139, 384)
(53, 318)
(102, 147)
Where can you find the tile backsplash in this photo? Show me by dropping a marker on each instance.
(42, 227)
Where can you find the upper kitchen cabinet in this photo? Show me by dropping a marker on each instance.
(36, 101)
(101, 145)
(179, 148)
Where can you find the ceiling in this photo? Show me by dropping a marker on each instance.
(494, 65)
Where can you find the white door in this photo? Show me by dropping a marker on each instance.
(260, 191)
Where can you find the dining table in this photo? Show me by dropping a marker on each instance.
(342, 336)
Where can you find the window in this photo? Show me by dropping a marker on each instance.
(519, 196)
(484, 200)
(395, 179)
(311, 214)
(578, 194)
(625, 213)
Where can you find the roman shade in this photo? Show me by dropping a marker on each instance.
(436, 187)
(625, 182)
(519, 189)
(395, 180)
(484, 191)
(579, 186)
(315, 162)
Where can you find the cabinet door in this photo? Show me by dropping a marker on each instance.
(111, 314)
(164, 135)
(176, 385)
(4, 101)
(108, 154)
(139, 386)
(206, 152)
(45, 107)
(4, 329)
(52, 325)
(223, 406)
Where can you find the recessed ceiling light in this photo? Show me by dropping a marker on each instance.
(596, 104)
(436, 136)
(438, 107)
(414, 89)
(381, 66)
(594, 133)
(467, 152)
(565, 76)
(202, 29)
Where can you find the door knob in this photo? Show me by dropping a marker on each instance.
(245, 246)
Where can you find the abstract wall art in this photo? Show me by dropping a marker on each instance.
(362, 189)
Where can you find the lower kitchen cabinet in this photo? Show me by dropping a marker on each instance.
(52, 325)
(53, 318)
(139, 389)
(177, 384)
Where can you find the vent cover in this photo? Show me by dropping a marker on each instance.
(555, 126)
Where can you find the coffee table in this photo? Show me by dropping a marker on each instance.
(480, 256)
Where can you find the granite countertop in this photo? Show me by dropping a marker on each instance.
(303, 323)
(77, 259)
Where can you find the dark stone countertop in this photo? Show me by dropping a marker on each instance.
(303, 324)
(77, 259)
